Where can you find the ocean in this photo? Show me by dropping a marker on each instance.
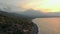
(48, 25)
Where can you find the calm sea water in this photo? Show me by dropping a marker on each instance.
(48, 25)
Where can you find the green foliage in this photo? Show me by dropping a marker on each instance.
(9, 25)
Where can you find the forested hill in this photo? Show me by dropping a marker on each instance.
(14, 24)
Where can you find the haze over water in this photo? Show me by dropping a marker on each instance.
(48, 25)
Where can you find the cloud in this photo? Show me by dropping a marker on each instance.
(17, 5)
(12, 5)
(22, 5)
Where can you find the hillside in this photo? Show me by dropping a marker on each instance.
(11, 24)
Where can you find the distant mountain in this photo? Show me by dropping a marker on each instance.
(13, 15)
(57, 14)
(32, 13)
(35, 13)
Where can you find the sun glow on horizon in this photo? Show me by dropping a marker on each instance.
(49, 6)
(43, 5)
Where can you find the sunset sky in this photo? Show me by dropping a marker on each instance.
(41, 5)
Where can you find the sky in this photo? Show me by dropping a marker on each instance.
(23, 5)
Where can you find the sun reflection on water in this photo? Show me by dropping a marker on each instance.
(48, 25)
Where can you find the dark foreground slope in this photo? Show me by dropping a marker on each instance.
(12, 24)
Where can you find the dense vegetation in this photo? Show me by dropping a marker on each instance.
(9, 25)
